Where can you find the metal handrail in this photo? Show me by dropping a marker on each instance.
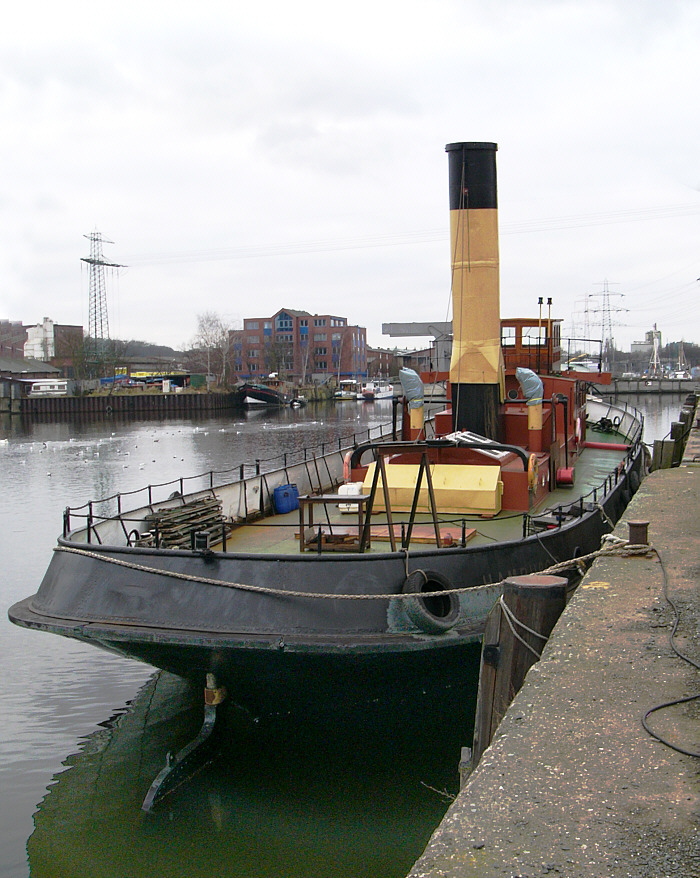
(213, 478)
(598, 494)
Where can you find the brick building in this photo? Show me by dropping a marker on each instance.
(13, 335)
(299, 346)
(381, 363)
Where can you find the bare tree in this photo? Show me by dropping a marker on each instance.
(212, 339)
(278, 357)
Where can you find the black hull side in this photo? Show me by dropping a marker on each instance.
(176, 611)
(263, 395)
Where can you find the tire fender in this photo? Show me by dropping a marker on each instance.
(433, 614)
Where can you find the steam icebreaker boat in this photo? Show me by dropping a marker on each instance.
(369, 566)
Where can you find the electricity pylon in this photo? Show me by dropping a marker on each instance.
(606, 323)
(98, 323)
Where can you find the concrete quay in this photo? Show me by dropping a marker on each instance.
(644, 385)
(572, 784)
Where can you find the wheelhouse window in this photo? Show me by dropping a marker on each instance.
(534, 335)
(508, 336)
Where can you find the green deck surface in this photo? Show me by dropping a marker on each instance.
(279, 534)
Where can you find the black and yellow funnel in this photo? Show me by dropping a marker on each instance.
(476, 369)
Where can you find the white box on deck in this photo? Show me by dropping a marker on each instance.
(349, 488)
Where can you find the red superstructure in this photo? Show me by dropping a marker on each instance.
(551, 433)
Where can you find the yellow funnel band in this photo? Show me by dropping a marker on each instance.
(476, 323)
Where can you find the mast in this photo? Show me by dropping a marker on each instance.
(476, 368)
(655, 370)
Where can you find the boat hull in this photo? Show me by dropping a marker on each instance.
(371, 392)
(183, 612)
(254, 395)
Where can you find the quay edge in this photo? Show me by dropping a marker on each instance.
(642, 386)
(572, 784)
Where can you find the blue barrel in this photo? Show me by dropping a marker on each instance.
(286, 498)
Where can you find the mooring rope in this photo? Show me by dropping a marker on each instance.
(511, 618)
(618, 549)
(604, 514)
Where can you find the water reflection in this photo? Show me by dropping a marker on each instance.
(53, 689)
(659, 411)
(279, 800)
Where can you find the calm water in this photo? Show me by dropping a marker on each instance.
(283, 806)
(286, 806)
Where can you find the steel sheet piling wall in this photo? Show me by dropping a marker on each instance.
(151, 404)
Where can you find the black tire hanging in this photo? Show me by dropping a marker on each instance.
(433, 614)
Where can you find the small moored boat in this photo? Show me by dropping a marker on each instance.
(373, 390)
(254, 395)
(348, 388)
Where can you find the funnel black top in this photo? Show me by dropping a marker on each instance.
(472, 175)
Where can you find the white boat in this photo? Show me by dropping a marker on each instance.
(348, 388)
(376, 390)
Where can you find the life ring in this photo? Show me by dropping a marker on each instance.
(346, 466)
(435, 613)
(532, 470)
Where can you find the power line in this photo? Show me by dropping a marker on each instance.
(426, 236)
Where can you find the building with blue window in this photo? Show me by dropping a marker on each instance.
(299, 347)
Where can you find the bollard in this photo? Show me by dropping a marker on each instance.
(677, 433)
(662, 456)
(638, 533)
(509, 649)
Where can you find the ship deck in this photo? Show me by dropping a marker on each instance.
(280, 534)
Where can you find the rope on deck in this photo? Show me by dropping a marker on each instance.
(623, 548)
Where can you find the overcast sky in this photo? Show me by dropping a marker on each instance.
(244, 157)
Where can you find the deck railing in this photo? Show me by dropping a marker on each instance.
(266, 472)
(114, 507)
(596, 497)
